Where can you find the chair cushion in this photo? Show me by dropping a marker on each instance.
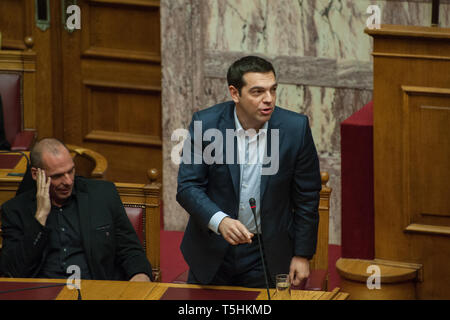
(23, 140)
(136, 216)
(10, 92)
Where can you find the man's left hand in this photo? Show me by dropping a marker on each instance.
(298, 270)
(142, 277)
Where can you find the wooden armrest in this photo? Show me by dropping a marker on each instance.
(100, 161)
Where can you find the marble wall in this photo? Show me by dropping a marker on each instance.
(319, 49)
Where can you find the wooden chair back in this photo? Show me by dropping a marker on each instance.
(320, 259)
(18, 91)
(142, 203)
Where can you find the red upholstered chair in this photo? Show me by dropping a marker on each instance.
(11, 95)
(142, 204)
(136, 214)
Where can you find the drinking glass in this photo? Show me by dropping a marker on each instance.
(283, 287)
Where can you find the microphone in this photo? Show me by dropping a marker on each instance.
(40, 287)
(252, 202)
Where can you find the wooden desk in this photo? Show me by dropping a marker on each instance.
(161, 288)
(124, 290)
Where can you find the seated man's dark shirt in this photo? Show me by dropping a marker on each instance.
(65, 247)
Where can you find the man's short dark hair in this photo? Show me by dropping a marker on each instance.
(239, 68)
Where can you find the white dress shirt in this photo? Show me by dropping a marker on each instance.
(251, 147)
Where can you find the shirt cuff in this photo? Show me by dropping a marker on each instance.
(216, 220)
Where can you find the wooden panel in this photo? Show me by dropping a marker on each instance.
(112, 86)
(128, 163)
(15, 25)
(115, 57)
(123, 112)
(411, 151)
(426, 137)
(126, 73)
(17, 22)
(122, 31)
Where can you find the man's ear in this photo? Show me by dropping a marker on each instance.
(34, 173)
(234, 92)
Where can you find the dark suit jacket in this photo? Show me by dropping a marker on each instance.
(112, 248)
(289, 199)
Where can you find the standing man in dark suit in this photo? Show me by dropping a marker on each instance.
(274, 161)
(69, 221)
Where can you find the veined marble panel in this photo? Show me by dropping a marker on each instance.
(354, 74)
(320, 28)
(312, 71)
(413, 12)
(181, 74)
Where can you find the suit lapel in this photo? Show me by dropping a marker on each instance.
(265, 178)
(227, 122)
(85, 222)
(274, 124)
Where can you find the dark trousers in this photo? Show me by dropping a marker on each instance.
(242, 266)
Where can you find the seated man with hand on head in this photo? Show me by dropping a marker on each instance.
(66, 221)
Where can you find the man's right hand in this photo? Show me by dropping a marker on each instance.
(42, 196)
(234, 232)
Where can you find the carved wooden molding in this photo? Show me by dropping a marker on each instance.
(13, 60)
(428, 229)
(122, 137)
(117, 54)
(409, 31)
(410, 56)
(141, 3)
(120, 86)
